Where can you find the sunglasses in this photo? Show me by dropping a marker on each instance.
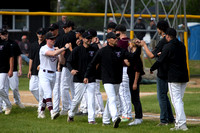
(5, 33)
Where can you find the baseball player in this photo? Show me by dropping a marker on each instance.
(111, 60)
(47, 73)
(66, 76)
(175, 55)
(6, 68)
(54, 28)
(33, 64)
(98, 97)
(13, 82)
(124, 91)
(77, 63)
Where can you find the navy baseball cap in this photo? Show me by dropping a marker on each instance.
(80, 30)
(92, 32)
(111, 35)
(49, 35)
(3, 31)
(53, 27)
(87, 35)
(41, 31)
(69, 24)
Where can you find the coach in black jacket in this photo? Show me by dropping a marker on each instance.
(77, 64)
(111, 60)
(175, 55)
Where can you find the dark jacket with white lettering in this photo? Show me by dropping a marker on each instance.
(174, 55)
(79, 59)
(111, 61)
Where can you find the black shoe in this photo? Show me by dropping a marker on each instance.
(116, 122)
(70, 119)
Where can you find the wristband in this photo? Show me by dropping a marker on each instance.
(65, 47)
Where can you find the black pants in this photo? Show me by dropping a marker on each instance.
(135, 98)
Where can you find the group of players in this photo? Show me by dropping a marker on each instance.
(74, 60)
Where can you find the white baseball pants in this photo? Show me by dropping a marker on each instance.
(80, 89)
(56, 93)
(98, 99)
(3, 94)
(13, 83)
(125, 95)
(34, 86)
(66, 84)
(47, 82)
(110, 110)
(176, 93)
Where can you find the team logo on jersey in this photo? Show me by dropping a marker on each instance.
(1, 47)
(91, 53)
(118, 53)
(53, 58)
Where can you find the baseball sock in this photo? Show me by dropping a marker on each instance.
(49, 104)
(43, 105)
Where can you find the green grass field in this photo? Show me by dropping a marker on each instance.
(25, 120)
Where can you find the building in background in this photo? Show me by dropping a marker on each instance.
(19, 25)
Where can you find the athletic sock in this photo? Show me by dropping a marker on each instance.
(49, 104)
(43, 104)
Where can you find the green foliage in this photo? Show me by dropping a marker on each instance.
(192, 7)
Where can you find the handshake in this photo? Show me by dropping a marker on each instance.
(138, 42)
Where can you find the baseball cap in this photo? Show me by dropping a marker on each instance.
(80, 30)
(41, 31)
(53, 27)
(49, 35)
(120, 27)
(87, 35)
(92, 32)
(139, 17)
(111, 25)
(3, 31)
(69, 24)
(111, 35)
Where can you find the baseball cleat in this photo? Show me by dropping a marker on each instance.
(92, 122)
(70, 119)
(7, 111)
(54, 115)
(183, 128)
(41, 114)
(126, 119)
(116, 122)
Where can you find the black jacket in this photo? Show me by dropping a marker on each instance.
(174, 55)
(79, 59)
(111, 61)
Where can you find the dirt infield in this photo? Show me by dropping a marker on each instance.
(28, 99)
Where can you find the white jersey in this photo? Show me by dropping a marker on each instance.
(47, 62)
